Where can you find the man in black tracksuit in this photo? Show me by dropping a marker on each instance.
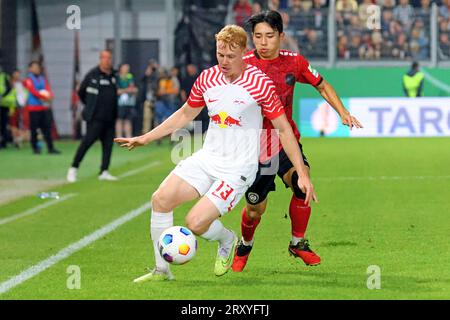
(98, 92)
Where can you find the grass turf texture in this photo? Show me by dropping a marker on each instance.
(383, 202)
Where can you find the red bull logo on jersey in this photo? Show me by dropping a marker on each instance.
(224, 120)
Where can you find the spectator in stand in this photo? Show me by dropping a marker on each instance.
(444, 26)
(444, 10)
(387, 16)
(307, 5)
(312, 47)
(149, 88)
(298, 17)
(418, 45)
(355, 47)
(242, 10)
(367, 50)
(126, 103)
(394, 30)
(342, 47)
(444, 46)
(188, 81)
(388, 5)
(345, 9)
(168, 91)
(256, 7)
(38, 105)
(377, 41)
(274, 5)
(424, 12)
(400, 49)
(288, 42)
(186, 85)
(176, 87)
(320, 16)
(404, 13)
(13, 100)
(354, 27)
(5, 89)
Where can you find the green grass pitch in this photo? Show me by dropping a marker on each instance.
(383, 202)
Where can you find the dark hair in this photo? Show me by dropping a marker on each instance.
(34, 62)
(271, 17)
(415, 65)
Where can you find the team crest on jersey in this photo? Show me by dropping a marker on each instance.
(290, 79)
(313, 71)
(253, 197)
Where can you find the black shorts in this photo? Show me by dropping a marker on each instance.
(265, 183)
(125, 112)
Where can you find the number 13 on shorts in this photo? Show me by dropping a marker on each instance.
(225, 196)
(223, 191)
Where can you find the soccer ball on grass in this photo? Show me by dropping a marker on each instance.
(177, 245)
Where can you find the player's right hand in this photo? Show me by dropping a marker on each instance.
(304, 183)
(131, 143)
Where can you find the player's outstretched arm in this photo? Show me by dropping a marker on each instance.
(290, 145)
(327, 91)
(176, 121)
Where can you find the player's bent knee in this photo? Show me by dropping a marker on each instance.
(299, 194)
(161, 201)
(195, 225)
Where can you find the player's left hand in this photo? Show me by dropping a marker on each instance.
(130, 143)
(304, 183)
(350, 121)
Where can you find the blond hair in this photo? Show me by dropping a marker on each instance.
(233, 36)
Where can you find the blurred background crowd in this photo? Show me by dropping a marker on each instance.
(162, 52)
(364, 29)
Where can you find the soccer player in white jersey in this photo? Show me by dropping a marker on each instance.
(237, 96)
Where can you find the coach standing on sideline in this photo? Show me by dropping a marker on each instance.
(98, 92)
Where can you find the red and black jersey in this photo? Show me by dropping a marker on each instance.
(285, 70)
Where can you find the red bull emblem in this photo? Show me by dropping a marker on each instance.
(224, 120)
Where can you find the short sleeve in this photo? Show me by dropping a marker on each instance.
(306, 73)
(195, 99)
(271, 103)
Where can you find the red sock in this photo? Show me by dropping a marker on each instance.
(248, 226)
(299, 214)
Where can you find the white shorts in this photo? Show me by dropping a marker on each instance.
(224, 189)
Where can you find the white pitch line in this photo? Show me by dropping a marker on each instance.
(382, 178)
(69, 250)
(35, 209)
(135, 171)
(436, 82)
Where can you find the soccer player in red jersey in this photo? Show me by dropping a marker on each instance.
(285, 68)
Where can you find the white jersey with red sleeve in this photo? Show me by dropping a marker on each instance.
(236, 113)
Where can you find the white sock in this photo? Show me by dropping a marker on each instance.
(217, 232)
(295, 240)
(158, 223)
